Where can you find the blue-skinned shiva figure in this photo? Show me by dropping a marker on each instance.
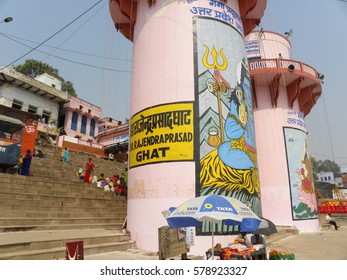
(240, 152)
(231, 168)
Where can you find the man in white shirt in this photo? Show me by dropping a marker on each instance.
(331, 221)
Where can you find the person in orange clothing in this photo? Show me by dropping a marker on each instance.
(88, 170)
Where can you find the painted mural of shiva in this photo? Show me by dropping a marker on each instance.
(231, 168)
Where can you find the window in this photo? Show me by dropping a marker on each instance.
(84, 125)
(32, 109)
(92, 128)
(45, 116)
(74, 121)
(17, 104)
(89, 111)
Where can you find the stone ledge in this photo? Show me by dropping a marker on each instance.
(327, 227)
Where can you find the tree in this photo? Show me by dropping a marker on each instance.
(33, 68)
(314, 164)
(328, 165)
(68, 87)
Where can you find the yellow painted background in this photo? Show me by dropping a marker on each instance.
(179, 151)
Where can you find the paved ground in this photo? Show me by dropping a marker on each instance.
(321, 245)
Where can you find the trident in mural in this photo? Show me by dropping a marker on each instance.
(221, 85)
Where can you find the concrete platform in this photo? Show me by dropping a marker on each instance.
(319, 245)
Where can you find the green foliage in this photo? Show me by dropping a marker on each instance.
(314, 164)
(33, 68)
(326, 166)
(68, 87)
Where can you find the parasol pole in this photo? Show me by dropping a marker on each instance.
(212, 241)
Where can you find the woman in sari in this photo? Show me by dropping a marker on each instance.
(88, 170)
(26, 163)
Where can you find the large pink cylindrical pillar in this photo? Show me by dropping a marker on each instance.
(285, 90)
(192, 127)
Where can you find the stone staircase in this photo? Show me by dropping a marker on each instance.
(41, 166)
(283, 232)
(40, 213)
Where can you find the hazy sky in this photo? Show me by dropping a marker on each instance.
(90, 52)
(97, 59)
(319, 40)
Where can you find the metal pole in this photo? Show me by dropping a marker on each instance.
(212, 241)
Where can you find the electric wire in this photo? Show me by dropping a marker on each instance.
(77, 29)
(62, 58)
(8, 36)
(56, 33)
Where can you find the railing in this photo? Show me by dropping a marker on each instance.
(47, 128)
(281, 64)
(79, 145)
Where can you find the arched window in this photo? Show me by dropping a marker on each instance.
(92, 128)
(74, 121)
(84, 125)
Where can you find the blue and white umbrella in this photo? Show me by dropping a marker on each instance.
(214, 209)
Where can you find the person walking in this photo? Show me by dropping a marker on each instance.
(88, 170)
(26, 163)
(331, 221)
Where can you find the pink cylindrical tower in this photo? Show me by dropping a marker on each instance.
(284, 92)
(190, 134)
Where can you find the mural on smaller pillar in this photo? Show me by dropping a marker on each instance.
(303, 195)
(227, 154)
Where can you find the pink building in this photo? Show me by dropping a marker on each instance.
(80, 119)
(115, 139)
(284, 92)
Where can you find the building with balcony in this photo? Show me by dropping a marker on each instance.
(115, 140)
(36, 103)
(78, 121)
(284, 91)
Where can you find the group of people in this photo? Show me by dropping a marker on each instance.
(256, 239)
(114, 183)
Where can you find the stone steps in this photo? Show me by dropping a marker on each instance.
(45, 245)
(77, 160)
(96, 227)
(73, 209)
(282, 233)
(59, 253)
(40, 213)
(57, 214)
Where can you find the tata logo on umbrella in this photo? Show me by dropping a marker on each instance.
(208, 207)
